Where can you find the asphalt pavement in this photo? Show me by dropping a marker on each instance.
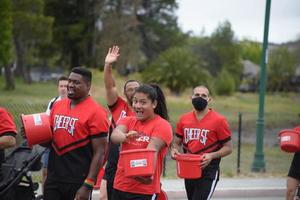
(229, 188)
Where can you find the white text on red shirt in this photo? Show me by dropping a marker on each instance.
(65, 122)
(195, 134)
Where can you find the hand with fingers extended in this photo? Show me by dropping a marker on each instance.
(112, 55)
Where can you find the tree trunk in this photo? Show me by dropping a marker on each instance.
(20, 66)
(9, 79)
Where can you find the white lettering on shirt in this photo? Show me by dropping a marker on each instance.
(195, 134)
(65, 122)
(123, 114)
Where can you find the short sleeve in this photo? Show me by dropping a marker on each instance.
(179, 129)
(6, 123)
(224, 133)
(164, 132)
(98, 123)
(119, 102)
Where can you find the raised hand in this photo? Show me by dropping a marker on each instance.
(112, 55)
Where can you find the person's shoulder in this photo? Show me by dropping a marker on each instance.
(95, 106)
(216, 115)
(187, 115)
(120, 103)
(61, 101)
(162, 122)
(2, 110)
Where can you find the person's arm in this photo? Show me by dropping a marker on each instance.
(120, 134)
(224, 151)
(98, 146)
(109, 82)
(176, 146)
(157, 144)
(7, 141)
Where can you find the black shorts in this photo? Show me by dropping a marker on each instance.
(201, 188)
(294, 171)
(120, 195)
(60, 191)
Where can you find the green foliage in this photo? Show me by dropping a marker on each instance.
(225, 83)
(5, 32)
(228, 50)
(205, 53)
(31, 29)
(177, 68)
(281, 69)
(251, 51)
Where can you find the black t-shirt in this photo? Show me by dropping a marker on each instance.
(71, 167)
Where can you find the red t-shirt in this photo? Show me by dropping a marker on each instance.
(297, 128)
(156, 127)
(205, 135)
(74, 127)
(119, 111)
(7, 124)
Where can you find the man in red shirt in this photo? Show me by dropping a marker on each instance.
(7, 134)
(119, 109)
(203, 131)
(80, 128)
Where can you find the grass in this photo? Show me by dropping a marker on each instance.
(281, 111)
(277, 163)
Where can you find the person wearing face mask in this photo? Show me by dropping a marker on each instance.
(205, 132)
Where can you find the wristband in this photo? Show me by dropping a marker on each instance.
(89, 183)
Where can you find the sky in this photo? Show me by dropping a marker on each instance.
(202, 17)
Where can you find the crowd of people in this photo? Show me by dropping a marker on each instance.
(83, 137)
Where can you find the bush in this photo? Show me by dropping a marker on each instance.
(177, 69)
(225, 84)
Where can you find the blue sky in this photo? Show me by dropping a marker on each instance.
(245, 16)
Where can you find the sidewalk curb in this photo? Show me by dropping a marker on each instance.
(235, 193)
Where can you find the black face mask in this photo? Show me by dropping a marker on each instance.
(199, 103)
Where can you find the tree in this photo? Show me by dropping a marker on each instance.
(280, 69)
(224, 84)
(251, 51)
(75, 31)
(176, 68)
(206, 54)
(158, 27)
(119, 20)
(6, 42)
(227, 48)
(30, 29)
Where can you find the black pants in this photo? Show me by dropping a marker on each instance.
(59, 190)
(109, 188)
(200, 189)
(120, 195)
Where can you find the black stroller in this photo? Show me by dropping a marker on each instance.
(17, 182)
